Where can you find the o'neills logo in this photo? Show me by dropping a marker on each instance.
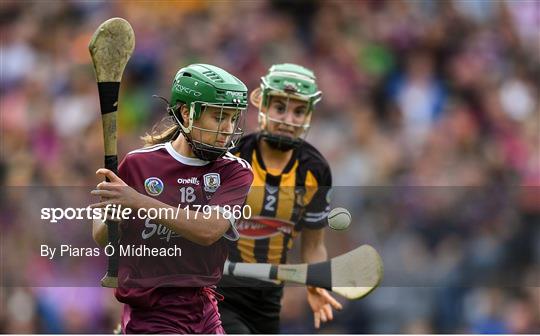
(191, 180)
(263, 227)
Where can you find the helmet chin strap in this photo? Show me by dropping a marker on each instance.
(206, 152)
(280, 142)
(203, 151)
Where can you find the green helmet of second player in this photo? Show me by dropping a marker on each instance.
(290, 81)
(199, 86)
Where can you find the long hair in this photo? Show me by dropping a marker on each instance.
(164, 131)
(167, 129)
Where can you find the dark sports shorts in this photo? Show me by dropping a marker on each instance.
(193, 311)
(249, 306)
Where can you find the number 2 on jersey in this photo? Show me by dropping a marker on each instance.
(270, 203)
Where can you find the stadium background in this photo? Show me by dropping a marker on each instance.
(424, 95)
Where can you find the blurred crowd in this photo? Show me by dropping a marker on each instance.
(430, 120)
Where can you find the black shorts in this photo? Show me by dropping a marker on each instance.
(249, 306)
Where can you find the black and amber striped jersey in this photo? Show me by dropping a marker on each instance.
(281, 203)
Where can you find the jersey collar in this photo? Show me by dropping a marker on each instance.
(184, 159)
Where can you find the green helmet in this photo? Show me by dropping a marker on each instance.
(202, 85)
(293, 82)
(197, 84)
(290, 80)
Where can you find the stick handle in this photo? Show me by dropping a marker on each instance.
(111, 277)
(108, 98)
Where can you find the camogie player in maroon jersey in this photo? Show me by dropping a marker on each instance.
(169, 265)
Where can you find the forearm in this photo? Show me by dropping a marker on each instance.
(193, 226)
(315, 254)
(313, 249)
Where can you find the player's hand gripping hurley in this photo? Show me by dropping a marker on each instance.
(110, 48)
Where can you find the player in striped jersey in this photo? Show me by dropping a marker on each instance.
(289, 196)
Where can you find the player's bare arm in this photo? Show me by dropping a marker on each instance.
(313, 248)
(197, 229)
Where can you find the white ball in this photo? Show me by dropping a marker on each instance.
(339, 219)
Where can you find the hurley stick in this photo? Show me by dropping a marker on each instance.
(110, 48)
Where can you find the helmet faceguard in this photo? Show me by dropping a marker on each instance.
(289, 81)
(202, 88)
(213, 148)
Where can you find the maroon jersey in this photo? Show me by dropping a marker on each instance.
(160, 172)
